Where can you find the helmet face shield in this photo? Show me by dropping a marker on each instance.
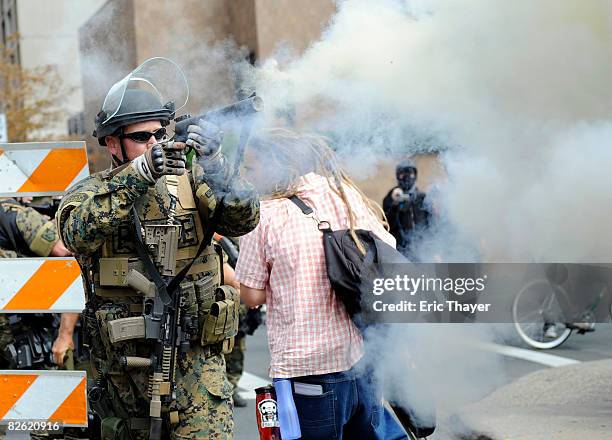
(158, 76)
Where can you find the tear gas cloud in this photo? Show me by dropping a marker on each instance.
(433, 369)
(515, 95)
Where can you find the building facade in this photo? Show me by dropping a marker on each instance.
(8, 27)
(200, 35)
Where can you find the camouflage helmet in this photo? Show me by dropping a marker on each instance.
(137, 105)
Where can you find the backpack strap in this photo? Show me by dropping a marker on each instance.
(307, 210)
(324, 225)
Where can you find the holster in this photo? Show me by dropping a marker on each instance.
(114, 428)
(32, 347)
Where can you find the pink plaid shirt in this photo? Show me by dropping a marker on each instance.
(309, 332)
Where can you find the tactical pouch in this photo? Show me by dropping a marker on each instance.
(205, 289)
(222, 320)
(114, 428)
(206, 292)
(228, 345)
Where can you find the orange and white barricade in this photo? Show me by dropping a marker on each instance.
(38, 396)
(41, 285)
(41, 169)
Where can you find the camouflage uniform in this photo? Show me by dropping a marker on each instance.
(95, 222)
(34, 235)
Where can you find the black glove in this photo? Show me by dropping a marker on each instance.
(205, 138)
(166, 158)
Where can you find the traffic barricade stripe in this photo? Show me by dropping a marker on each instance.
(46, 168)
(12, 388)
(56, 396)
(56, 172)
(32, 285)
(73, 411)
(45, 286)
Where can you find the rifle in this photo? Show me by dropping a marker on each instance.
(161, 320)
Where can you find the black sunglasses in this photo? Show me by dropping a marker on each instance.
(144, 136)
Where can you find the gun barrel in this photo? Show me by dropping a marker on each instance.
(244, 107)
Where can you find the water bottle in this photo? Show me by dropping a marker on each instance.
(287, 413)
(266, 413)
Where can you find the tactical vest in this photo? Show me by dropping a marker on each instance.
(201, 288)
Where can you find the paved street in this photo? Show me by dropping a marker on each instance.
(581, 348)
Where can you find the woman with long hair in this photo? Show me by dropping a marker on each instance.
(312, 339)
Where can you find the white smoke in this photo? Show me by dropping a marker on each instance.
(433, 370)
(515, 94)
(516, 97)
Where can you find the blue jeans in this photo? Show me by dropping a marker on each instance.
(349, 408)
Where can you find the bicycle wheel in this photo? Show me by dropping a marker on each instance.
(538, 315)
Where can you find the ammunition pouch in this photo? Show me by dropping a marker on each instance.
(114, 428)
(222, 321)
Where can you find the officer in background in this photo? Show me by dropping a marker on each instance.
(234, 360)
(97, 222)
(24, 232)
(405, 208)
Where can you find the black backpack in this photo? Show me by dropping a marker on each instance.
(348, 269)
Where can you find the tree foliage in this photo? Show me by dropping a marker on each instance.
(30, 98)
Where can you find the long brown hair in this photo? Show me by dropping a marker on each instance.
(302, 153)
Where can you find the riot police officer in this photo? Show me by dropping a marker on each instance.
(405, 207)
(147, 198)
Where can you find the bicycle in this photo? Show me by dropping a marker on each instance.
(542, 314)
